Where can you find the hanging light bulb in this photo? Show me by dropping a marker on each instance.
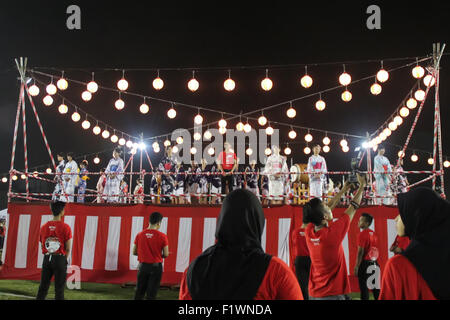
(344, 143)
(156, 150)
(96, 160)
(326, 149)
(155, 145)
(387, 132)
(307, 150)
(229, 84)
(76, 116)
(129, 144)
(393, 126)
(420, 95)
(404, 112)
(105, 134)
(34, 90)
(287, 151)
(268, 152)
(447, 164)
(122, 84)
(411, 103)
(158, 83)
(207, 135)
(167, 143)
(92, 86)
(144, 108)
(86, 96)
(291, 112)
(320, 104)
(179, 140)
(198, 119)
(193, 150)
(401, 154)
(193, 84)
(269, 130)
(345, 79)
(23, 177)
(63, 109)
(86, 124)
(262, 120)
(211, 151)
(418, 72)
(429, 81)
(326, 141)
(48, 171)
(171, 113)
(222, 130)
(376, 89)
(345, 149)
(266, 83)
(398, 120)
(197, 136)
(48, 100)
(114, 138)
(51, 88)
(4, 179)
(414, 158)
(346, 96)
(247, 127)
(62, 83)
(292, 134)
(175, 149)
(249, 152)
(14, 177)
(382, 75)
(122, 141)
(240, 126)
(306, 81)
(430, 161)
(96, 130)
(308, 137)
(133, 151)
(222, 123)
(119, 104)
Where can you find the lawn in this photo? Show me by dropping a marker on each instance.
(25, 289)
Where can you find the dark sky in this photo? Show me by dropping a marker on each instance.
(135, 34)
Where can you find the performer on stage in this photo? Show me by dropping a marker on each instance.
(167, 167)
(82, 181)
(318, 166)
(154, 186)
(400, 180)
(264, 189)
(114, 173)
(251, 178)
(276, 168)
(139, 191)
(227, 163)
(58, 178)
(193, 179)
(101, 186)
(215, 180)
(180, 179)
(123, 191)
(69, 179)
(382, 164)
(203, 182)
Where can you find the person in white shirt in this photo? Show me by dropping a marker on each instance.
(69, 179)
(276, 169)
(382, 167)
(317, 168)
(114, 176)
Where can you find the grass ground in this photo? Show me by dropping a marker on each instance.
(24, 290)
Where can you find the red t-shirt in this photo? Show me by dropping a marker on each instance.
(367, 239)
(299, 243)
(401, 242)
(53, 237)
(328, 276)
(227, 159)
(150, 243)
(279, 283)
(401, 281)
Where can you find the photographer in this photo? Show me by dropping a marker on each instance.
(329, 279)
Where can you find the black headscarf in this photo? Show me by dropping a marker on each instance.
(234, 267)
(426, 217)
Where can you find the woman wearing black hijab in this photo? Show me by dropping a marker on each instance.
(421, 272)
(236, 267)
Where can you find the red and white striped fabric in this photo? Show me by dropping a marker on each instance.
(103, 238)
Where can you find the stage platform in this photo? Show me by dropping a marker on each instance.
(103, 237)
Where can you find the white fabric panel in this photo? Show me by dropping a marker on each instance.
(6, 238)
(22, 241)
(112, 246)
(392, 233)
(283, 239)
(137, 226)
(209, 232)
(184, 244)
(44, 220)
(263, 237)
(90, 237)
(163, 229)
(70, 220)
(346, 253)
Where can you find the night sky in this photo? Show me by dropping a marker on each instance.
(133, 34)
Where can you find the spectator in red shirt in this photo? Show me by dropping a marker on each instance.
(366, 265)
(302, 259)
(328, 279)
(56, 242)
(150, 246)
(421, 272)
(400, 244)
(236, 267)
(227, 164)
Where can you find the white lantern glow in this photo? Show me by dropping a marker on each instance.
(307, 150)
(158, 83)
(179, 140)
(393, 126)
(345, 149)
(292, 134)
(92, 87)
(105, 134)
(249, 151)
(222, 123)
(122, 141)
(129, 144)
(326, 149)
(76, 117)
(418, 72)
(262, 121)
(345, 79)
(172, 113)
(346, 96)
(287, 151)
(306, 81)
(429, 81)
(86, 96)
(240, 126)
(414, 158)
(269, 130)
(247, 128)
(382, 76)
(222, 130)
(447, 164)
(48, 100)
(197, 136)
(229, 84)
(63, 109)
(344, 143)
(404, 112)
(96, 160)
(291, 112)
(96, 130)
(398, 120)
(34, 90)
(122, 84)
(430, 161)
(119, 104)
(320, 105)
(326, 141)
(266, 84)
(376, 89)
(211, 151)
(62, 84)
(411, 103)
(51, 89)
(86, 124)
(207, 135)
(268, 152)
(420, 95)
(144, 108)
(198, 119)
(308, 137)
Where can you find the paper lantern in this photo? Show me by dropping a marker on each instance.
(382, 76)
(86, 96)
(269, 130)
(326, 141)
(420, 95)
(414, 158)
(198, 119)
(229, 84)
(51, 89)
(48, 100)
(92, 87)
(105, 134)
(76, 117)
(291, 112)
(114, 138)
(62, 84)
(429, 81)
(292, 134)
(262, 121)
(158, 83)
(119, 104)
(404, 112)
(287, 151)
(63, 109)
(345, 79)
(375, 89)
(122, 84)
(320, 105)
(306, 81)
(34, 90)
(346, 96)
(171, 113)
(411, 103)
(308, 137)
(96, 130)
(307, 150)
(418, 72)
(207, 135)
(144, 108)
(86, 124)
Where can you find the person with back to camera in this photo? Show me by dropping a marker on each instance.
(236, 267)
(328, 278)
(421, 272)
(302, 259)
